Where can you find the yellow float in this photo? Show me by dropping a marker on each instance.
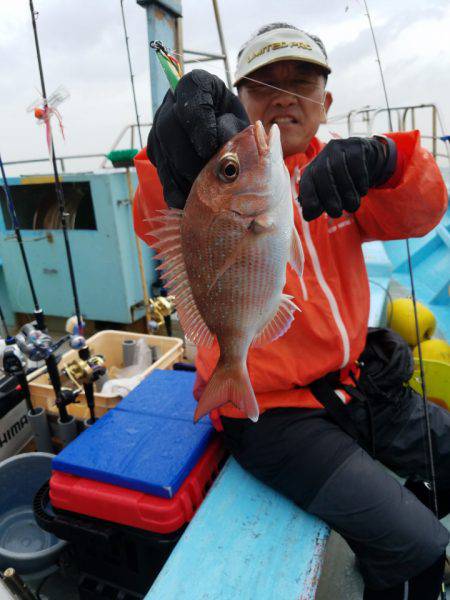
(436, 365)
(400, 317)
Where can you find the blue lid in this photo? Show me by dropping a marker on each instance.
(148, 453)
(164, 394)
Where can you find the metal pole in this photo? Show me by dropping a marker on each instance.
(434, 133)
(131, 74)
(222, 43)
(179, 41)
(161, 25)
(148, 314)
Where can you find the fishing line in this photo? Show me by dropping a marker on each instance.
(321, 103)
(416, 321)
(274, 87)
(379, 66)
(131, 74)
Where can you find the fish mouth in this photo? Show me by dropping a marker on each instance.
(265, 142)
(261, 138)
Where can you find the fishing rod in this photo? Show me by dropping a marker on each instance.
(58, 186)
(77, 341)
(430, 452)
(16, 586)
(38, 313)
(37, 345)
(36, 334)
(2, 318)
(131, 74)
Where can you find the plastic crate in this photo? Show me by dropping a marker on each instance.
(136, 509)
(108, 344)
(125, 558)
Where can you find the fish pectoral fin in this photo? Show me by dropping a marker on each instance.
(296, 258)
(176, 281)
(278, 325)
(229, 384)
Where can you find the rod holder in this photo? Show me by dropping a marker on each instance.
(67, 431)
(129, 351)
(100, 382)
(41, 431)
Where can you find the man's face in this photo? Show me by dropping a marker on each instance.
(298, 106)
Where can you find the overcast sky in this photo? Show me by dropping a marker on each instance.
(82, 46)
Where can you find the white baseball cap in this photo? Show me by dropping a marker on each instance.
(279, 44)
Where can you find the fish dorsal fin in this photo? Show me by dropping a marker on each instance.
(297, 258)
(279, 324)
(174, 275)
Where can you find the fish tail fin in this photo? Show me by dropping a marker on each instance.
(229, 383)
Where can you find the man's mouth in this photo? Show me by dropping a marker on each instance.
(284, 120)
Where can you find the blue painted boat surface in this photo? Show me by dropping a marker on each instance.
(379, 270)
(430, 256)
(248, 545)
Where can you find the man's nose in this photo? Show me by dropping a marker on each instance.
(284, 99)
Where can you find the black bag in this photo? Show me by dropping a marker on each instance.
(386, 365)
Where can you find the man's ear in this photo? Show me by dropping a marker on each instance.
(326, 106)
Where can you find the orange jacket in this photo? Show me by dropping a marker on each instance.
(330, 332)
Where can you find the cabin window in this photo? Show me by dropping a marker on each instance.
(37, 206)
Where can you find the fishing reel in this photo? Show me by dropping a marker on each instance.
(14, 363)
(14, 360)
(160, 307)
(77, 339)
(85, 371)
(37, 345)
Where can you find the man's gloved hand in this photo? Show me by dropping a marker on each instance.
(189, 127)
(344, 171)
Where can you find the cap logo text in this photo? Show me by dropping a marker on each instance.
(278, 46)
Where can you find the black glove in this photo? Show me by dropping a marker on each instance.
(344, 171)
(189, 127)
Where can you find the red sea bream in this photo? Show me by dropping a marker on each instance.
(224, 259)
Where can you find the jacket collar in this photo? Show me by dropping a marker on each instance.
(301, 159)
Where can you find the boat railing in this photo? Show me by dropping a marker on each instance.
(130, 129)
(405, 116)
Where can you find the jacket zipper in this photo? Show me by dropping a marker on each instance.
(320, 277)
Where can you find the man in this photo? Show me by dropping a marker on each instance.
(351, 191)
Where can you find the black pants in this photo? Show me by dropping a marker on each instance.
(303, 454)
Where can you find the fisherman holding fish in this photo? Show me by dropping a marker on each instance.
(261, 245)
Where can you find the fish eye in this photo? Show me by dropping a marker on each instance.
(228, 168)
